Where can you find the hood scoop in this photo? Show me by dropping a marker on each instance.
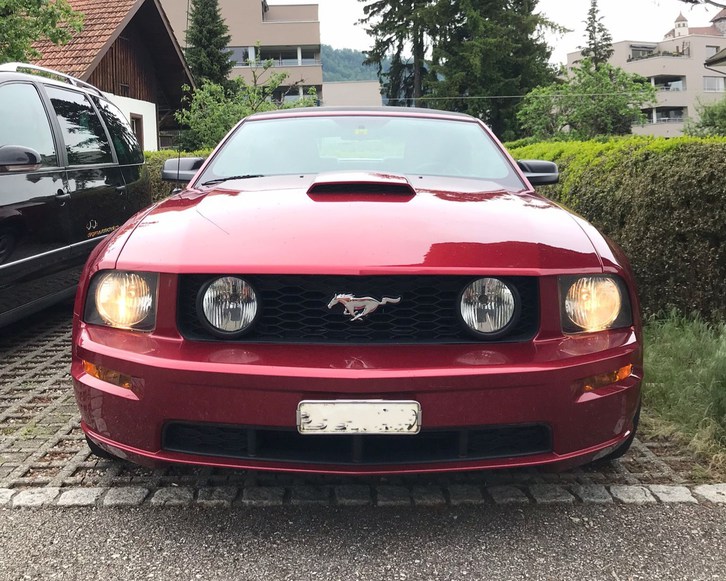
(362, 183)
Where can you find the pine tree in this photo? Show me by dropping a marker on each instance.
(400, 28)
(207, 41)
(485, 54)
(599, 46)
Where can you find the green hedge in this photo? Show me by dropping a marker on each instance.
(663, 201)
(155, 161)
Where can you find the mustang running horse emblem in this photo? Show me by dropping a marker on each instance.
(359, 307)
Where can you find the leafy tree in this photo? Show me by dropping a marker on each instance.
(484, 55)
(22, 22)
(599, 47)
(712, 121)
(212, 109)
(594, 101)
(207, 41)
(400, 27)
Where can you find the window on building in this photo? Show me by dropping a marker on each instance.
(713, 84)
(711, 50)
(285, 57)
(240, 55)
(23, 121)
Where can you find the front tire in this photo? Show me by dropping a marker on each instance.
(99, 452)
(625, 446)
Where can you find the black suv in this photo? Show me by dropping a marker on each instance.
(70, 173)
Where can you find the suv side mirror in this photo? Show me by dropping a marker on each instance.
(18, 158)
(538, 172)
(181, 169)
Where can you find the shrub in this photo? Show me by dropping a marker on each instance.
(663, 201)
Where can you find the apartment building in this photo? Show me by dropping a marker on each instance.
(287, 35)
(677, 67)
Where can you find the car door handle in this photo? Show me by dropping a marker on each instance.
(62, 196)
(120, 189)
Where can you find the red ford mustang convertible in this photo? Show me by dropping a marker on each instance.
(358, 292)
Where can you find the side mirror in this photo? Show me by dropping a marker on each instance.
(538, 172)
(18, 158)
(181, 169)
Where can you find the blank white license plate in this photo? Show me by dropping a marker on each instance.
(358, 417)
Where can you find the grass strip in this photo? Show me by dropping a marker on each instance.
(685, 384)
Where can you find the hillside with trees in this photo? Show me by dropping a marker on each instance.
(345, 64)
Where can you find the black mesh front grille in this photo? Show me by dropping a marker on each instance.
(290, 446)
(294, 309)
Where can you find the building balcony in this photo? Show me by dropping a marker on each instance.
(659, 54)
(292, 62)
(301, 74)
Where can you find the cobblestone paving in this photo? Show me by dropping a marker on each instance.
(44, 459)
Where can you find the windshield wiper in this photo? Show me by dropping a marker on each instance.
(226, 179)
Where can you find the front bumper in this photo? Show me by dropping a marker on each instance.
(461, 389)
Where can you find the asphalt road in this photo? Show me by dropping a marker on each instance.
(615, 542)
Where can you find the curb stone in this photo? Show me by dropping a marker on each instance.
(550, 494)
(428, 496)
(592, 494)
(632, 494)
(263, 496)
(360, 495)
(35, 497)
(126, 496)
(715, 493)
(393, 496)
(507, 495)
(80, 497)
(5, 495)
(173, 496)
(353, 495)
(668, 494)
(465, 494)
(217, 496)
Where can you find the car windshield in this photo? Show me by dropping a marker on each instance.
(400, 145)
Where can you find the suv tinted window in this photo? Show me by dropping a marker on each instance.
(85, 138)
(124, 140)
(23, 121)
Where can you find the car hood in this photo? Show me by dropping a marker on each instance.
(281, 225)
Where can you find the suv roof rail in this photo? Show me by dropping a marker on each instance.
(17, 67)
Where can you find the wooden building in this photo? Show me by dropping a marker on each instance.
(127, 48)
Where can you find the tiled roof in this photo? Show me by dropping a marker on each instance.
(102, 19)
(681, 18)
(720, 16)
(707, 30)
(702, 30)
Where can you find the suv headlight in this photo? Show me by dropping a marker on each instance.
(124, 300)
(594, 303)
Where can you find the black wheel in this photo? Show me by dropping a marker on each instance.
(8, 239)
(96, 450)
(625, 446)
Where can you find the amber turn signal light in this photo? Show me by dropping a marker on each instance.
(108, 375)
(604, 379)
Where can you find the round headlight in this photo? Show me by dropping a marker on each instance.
(229, 305)
(593, 302)
(488, 306)
(124, 299)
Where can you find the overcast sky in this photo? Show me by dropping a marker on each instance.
(646, 20)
